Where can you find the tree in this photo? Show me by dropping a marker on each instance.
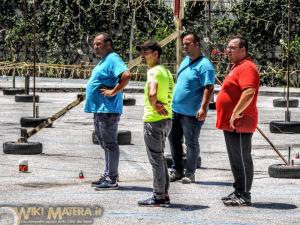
(65, 28)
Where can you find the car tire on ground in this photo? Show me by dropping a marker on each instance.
(33, 122)
(26, 98)
(284, 171)
(124, 137)
(282, 102)
(13, 91)
(28, 148)
(292, 127)
(129, 101)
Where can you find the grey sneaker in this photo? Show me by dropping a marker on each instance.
(188, 179)
(98, 182)
(153, 202)
(174, 175)
(107, 185)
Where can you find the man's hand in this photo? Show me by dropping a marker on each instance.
(160, 108)
(107, 92)
(201, 115)
(233, 117)
(124, 80)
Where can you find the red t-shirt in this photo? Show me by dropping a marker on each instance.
(241, 76)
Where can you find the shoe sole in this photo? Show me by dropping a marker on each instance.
(187, 182)
(105, 188)
(179, 179)
(237, 205)
(157, 205)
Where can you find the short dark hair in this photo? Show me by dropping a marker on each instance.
(196, 38)
(107, 38)
(150, 44)
(243, 41)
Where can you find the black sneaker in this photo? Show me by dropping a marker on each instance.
(238, 200)
(98, 182)
(174, 175)
(154, 202)
(107, 185)
(167, 199)
(230, 196)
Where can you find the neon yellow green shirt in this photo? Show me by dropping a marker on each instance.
(165, 82)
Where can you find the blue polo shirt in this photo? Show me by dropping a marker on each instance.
(190, 85)
(106, 73)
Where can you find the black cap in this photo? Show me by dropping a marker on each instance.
(153, 45)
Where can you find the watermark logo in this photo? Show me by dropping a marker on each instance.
(33, 214)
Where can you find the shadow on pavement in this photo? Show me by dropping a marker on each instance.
(214, 183)
(184, 207)
(271, 205)
(135, 188)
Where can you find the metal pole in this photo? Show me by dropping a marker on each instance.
(209, 28)
(34, 58)
(287, 113)
(289, 158)
(110, 18)
(272, 145)
(27, 134)
(27, 81)
(179, 28)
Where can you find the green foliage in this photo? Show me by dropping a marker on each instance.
(264, 24)
(271, 75)
(63, 27)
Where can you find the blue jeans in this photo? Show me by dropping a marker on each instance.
(188, 127)
(106, 129)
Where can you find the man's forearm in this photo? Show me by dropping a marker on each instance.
(207, 95)
(153, 100)
(125, 78)
(245, 100)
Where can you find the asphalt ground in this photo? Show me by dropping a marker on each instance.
(67, 148)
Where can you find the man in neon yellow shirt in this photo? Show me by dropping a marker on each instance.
(157, 120)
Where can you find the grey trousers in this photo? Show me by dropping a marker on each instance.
(239, 153)
(106, 129)
(155, 134)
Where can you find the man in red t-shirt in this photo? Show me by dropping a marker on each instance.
(237, 116)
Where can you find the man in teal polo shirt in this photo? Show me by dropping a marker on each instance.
(104, 98)
(192, 94)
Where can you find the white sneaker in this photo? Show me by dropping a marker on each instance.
(188, 179)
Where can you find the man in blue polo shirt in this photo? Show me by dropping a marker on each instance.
(104, 98)
(192, 94)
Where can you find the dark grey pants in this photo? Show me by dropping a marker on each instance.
(239, 153)
(155, 134)
(106, 129)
